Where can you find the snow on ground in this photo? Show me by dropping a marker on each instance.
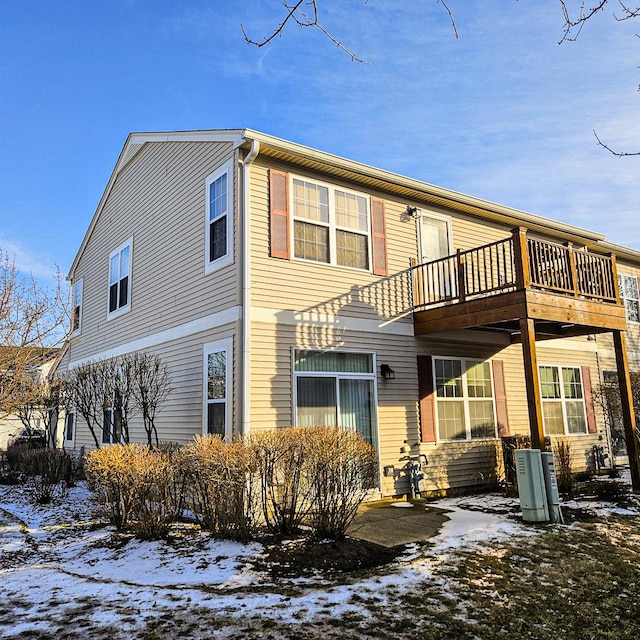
(58, 563)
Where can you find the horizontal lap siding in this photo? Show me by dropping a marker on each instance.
(316, 288)
(159, 199)
(180, 417)
(465, 464)
(581, 355)
(272, 381)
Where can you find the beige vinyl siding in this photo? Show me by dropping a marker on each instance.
(310, 287)
(159, 200)
(272, 381)
(181, 416)
(461, 464)
(581, 445)
(324, 289)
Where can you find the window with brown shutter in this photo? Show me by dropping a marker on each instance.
(378, 237)
(499, 390)
(427, 400)
(279, 218)
(592, 425)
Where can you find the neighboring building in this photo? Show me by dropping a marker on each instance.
(287, 286)
(38, 362)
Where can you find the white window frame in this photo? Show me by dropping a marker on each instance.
(227, 258)
(465, 398)
(338, 376)
(220, 346)
(332, 224)
(563, 401)
(73, 414)
(627, 301)
(127, 307)
(76, 303)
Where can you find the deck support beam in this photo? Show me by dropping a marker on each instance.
(628, 415)
(532, 380)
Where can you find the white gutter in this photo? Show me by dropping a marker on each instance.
(245, 391)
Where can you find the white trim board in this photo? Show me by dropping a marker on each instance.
(212, 321)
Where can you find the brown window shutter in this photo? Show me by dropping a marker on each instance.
(427, 400)
(279, 214)
(592, 425)
(378, 237)
(500, 397)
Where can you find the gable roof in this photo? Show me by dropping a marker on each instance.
(365, 175)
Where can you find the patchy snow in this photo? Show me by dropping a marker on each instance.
(59, 563)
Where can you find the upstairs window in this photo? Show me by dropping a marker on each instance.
(630, 296)
(120, 279)
(330, 225)
(77, 307)
(219, 186)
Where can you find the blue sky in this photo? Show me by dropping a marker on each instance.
(502, 113)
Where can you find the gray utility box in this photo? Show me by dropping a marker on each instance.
(551, 485)
(531, 485)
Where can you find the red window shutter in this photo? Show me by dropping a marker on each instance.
(427, 400)
(279, 214)
(378, 237)
(502, 415)
(592, 425)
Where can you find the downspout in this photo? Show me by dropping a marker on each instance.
(245, 392)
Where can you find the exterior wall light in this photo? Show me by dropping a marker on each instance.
(387, 372)
(413, 212)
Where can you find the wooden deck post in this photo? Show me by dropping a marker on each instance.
(628, 415)
(460, 266)
(532, 380)
(521, 258)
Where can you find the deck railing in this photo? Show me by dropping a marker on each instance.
(518, 262)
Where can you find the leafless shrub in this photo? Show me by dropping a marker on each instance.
(562, 458)
(341, 468)
(280, 457)
(220, 480)
(48, 472)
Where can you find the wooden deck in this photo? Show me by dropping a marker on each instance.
(564, 291)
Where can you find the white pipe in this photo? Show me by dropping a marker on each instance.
(246, 290)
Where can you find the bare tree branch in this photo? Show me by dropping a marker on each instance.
(453, 22)
(577, 24)
(619, 154)
(302, 19)
(627, 13)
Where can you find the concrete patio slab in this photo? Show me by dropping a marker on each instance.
(390, 526)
